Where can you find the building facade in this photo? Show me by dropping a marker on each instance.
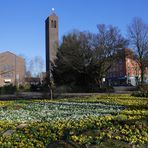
(51, 33)
(126, 71)
(146, 75)
(12, 69)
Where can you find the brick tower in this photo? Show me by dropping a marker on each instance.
(51, 32)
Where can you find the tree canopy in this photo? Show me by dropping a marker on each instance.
(138, 35)
(84, 58)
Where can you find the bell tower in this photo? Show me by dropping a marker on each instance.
(51, 34)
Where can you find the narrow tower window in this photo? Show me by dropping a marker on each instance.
(55, 25)
(52, 24)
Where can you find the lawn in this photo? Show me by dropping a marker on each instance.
(96, 121)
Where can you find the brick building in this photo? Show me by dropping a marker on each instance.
(12, 69)
(126, 71)
(146, 75)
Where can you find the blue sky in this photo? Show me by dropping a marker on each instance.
(22, 21)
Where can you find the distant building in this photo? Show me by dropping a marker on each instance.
(12, 69)
(32, 80)
(51, 30)
(146, 75)
(126, 71)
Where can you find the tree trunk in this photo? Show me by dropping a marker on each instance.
(142, 75)
(51, 97)
(142, 71)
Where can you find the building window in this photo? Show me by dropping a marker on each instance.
(128, 60)
(55, 24)
(133, 70)
(7, 75)
(128, 74)
(128, 69)
(52, 24)
(136, 71)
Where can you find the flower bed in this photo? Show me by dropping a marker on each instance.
(49, 111)
(97, 121)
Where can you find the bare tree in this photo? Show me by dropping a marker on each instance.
(138, 35)
(107, 43)
(35, 65)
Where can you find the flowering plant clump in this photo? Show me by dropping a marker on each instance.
(36, 111)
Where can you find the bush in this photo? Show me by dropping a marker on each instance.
(63, 89)
(143, 88)
(24, 88)
(78, 89)
(8, 89)
(140, 94)
(35, 88)
(142, 91)
(105, 89)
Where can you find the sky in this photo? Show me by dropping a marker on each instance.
(22, 22)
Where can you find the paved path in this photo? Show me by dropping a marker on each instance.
(30, 95)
